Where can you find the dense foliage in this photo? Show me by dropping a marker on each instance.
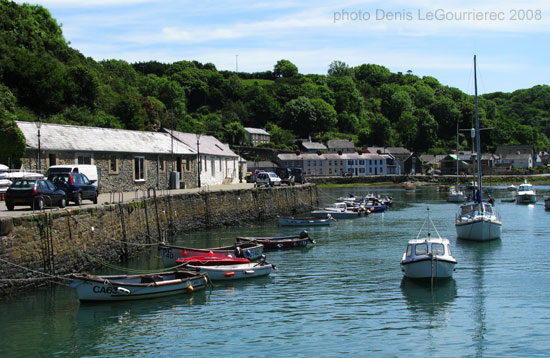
(41, 76)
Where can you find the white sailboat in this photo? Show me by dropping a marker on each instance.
(477, 220)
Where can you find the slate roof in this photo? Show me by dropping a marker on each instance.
(313, 146)
(256, 130)
(207, 144)
(338, 143)
(61, 137)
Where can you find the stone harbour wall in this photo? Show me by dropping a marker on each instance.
(80, 239)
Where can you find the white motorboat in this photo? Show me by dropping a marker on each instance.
(526, 194)
(337, 211)
(512, 187)
(428, 257)
(476, 220)
(456, 196)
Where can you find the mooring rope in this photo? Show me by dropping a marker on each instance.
(108, 265)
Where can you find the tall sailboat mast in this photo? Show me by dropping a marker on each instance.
(478, 196)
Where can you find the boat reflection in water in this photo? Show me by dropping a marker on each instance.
(421, 296)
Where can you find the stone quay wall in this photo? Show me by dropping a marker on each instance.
(79, 239)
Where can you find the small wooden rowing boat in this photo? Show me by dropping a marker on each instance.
(293, 221)
(136, 287)
(280, 242)
(171, 253)
(236, 271)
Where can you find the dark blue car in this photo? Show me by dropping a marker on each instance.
(36, 193)
(77, 186)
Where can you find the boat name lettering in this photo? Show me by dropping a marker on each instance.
(103, 289)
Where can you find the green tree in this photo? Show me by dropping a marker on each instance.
(300, 115)
(339, 68)
(285, 69)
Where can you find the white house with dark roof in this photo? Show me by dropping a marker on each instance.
(219, 164)
(257, 136)
(126, 160)
(335, 164)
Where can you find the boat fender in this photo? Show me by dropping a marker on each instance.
(190, 288)
(304, 234)
(123, 290)
(184, 253)
(229, 274)
(248, 253)
(210, 253)
(249, 272)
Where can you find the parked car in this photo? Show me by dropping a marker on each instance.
(76, 186)
(87, 169)
(298, 175)
(286, 175)
(267, 178)
(36, 193)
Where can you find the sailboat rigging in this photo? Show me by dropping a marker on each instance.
(476, 220)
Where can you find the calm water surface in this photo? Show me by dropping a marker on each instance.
(345, 296)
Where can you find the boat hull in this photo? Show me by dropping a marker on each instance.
(428, 268)
(170, 253)
(234, 272)
(526, 198)
(339, 215)
(127, 288)
(456, 198)
(479, 230)
(291, 221)
(282, 242)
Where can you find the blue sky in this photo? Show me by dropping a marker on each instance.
(509, 37)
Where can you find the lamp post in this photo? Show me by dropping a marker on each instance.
(198, 160)
(38, 125)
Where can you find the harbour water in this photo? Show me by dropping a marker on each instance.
(346, 296)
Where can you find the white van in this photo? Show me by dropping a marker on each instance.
(87, 169)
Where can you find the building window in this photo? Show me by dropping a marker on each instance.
(113, 164)
(162, 165)
(187, 165)
(53, 159)
(84, 159)
(139, 169)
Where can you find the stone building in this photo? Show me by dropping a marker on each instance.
(342, 146)
(257, 136)
(126, 160)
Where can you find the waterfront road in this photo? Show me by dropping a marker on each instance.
(107, 198)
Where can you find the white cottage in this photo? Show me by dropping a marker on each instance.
(219, 164)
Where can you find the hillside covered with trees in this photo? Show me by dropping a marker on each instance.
(41, 76)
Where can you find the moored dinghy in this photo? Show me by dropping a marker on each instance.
(234, 271)
(171, 253)
(135, 287)
(297, 221)
(280, 242)
(429, 257)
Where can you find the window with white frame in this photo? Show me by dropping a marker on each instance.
(139, 168)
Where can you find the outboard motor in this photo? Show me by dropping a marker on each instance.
(238, 252)
(304, 234)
